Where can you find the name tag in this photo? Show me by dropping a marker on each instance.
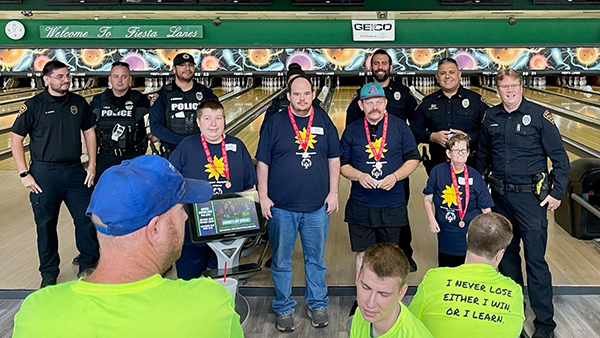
(180, 115)
(316, 130)
(461, 180)
(433, 107)
(231, 147)
(49, 112)
(176, 98)
(493, 125)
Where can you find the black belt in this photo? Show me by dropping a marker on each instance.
(518, 187)
(118, 152)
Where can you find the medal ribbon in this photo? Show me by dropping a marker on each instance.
(303, 142)
(210, 160)
(377, 154)
(461, 211)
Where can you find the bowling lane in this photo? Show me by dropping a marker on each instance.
(576, 94)
(219, 91)
(14, 107)
(564, 103)
(23, 95)
(243, 102)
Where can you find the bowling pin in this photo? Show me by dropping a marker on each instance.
(570, 81)
(32, 83)
(576, 81)
(583, 81)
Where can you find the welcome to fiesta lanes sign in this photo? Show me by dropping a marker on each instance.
(120, 32)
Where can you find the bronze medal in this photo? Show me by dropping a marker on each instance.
(461, 224)
(228, 186)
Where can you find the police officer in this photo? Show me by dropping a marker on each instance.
(173, 108)
(518, 137)
(450, 110)
(121, 129)
(282, 102)
(400, 103)
(54, 120)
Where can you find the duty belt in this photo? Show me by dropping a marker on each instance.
(518, 187)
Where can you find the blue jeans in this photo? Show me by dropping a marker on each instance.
(283, 231)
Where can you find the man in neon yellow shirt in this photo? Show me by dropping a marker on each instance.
(474, 299)
(380, 286)
(138, 213)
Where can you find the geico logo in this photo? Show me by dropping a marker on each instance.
(112, 113)
(373, 27)
(184, 106)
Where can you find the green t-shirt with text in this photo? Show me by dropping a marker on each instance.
(153, 307)
(406, 326)
(472, 300)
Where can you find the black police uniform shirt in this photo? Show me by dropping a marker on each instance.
(54, 125)
(279, 103)
(110, 110)
(400, 147)
(463, 111)
(516, 146)
(189, 158)
(292, 186)
(173, 112)
(400, 103)
(452, 238)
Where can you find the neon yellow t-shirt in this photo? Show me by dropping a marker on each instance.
(406, 326)
(153, 307)
(472, 300)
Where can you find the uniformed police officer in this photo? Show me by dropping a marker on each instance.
(282, 102)
(400, 103)
(173, 108)
(54, 120)
(121, 129)
(518, 136)
(450, 110)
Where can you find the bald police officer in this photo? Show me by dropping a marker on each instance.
(450, 110)
(518, 138)
(173, 108)
(54, 120)
(121, 128)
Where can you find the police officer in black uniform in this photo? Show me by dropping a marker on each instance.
(450, 110)
(121, 128)
(173, 108)
(282, 102)
(518, 137)
(54, 120)
(400, 103)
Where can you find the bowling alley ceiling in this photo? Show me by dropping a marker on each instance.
(312, 15)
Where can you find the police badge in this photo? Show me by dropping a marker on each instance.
(129, 105)
(199, 96)
(397, 96)
(74, 110)
(465, 103)
(526, 120)
(153, 98)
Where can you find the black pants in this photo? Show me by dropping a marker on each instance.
(62, 182)
(104, 162)
(446, 260)
(530, 224)
(405, 233)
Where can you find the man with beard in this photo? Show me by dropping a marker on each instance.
(54, 121)
(173, 108)
(400, 103)
(121, 129)
(298, 176)
(137, 209)
(377, 152)
(450, 110)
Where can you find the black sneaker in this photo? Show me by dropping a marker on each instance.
(76, 260)
(543, 333)
(46, 281)
(318, 318)
(285, 323)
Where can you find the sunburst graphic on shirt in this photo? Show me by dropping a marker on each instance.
(311, 140)
(376, 145)
(218, 162)
(449, 196)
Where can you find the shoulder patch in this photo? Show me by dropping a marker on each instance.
(153, 98)
(548, 116)
(22, 109)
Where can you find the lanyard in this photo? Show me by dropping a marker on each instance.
(210, 160)
(461, 211)
(377, 154)
(303, 142)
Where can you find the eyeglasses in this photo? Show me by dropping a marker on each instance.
(459, 151)
(512, 86)
(61, 77)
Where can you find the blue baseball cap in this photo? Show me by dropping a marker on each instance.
(129, 195)
(371, 89)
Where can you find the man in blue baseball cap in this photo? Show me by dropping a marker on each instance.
(137, 208)
(378, 153)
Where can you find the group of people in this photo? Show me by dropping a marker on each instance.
(299, 160)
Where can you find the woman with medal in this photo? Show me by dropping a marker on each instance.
(454, 194)
(220, 159)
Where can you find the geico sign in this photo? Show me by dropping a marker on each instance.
(373, 27)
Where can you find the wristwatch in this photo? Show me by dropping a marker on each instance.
(24, 174)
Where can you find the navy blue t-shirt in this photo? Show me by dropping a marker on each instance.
(452, 238)
(400, 147)
(293, 185)
(190, 160)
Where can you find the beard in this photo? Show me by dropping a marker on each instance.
(383, 77)
(59, 89)
(173, 251)
(184, 77)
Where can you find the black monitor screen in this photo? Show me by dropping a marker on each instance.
(328, 2)
(82, 2)
(224, 217)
